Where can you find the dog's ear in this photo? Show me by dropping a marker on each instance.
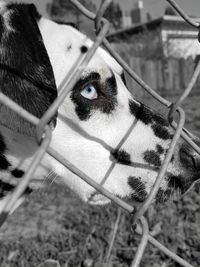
(26, 74)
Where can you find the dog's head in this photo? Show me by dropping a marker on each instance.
(104, 131)
(113, 138)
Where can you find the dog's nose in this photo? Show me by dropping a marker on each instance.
(196, 160)
(195, 155)
(190, 159)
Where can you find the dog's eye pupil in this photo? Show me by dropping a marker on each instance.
(89, 92)
(88, 89)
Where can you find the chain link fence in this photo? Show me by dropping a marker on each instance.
(44, 133)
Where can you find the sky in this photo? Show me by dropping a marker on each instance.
(154, 7)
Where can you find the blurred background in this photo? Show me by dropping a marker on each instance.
(162, 49)
(154, 7)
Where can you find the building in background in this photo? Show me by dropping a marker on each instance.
(135, 15)
(138, 15)
(168, 36)
(126, 19)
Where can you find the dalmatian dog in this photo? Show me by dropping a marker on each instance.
(100, 127)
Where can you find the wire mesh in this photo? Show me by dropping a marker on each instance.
(44, 132)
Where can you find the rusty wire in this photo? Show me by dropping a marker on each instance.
(43, 131)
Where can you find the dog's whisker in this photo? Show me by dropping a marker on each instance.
(53, 180)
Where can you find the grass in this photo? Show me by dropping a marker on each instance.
(54, 224)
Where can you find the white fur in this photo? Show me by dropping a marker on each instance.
(87, 148)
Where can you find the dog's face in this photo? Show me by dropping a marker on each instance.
(109, 135)
(105, 132)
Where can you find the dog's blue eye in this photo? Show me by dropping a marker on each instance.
(89, 92)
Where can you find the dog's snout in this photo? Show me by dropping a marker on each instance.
(189, 158)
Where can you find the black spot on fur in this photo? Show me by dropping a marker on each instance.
(146, 115)
(141, 112)
(123, 78)
(121, 156)
(160, 120)
(105, 102)
(2, 144)
(17, 173)
(161, 132)
(152, 157)
(26, 74)
(61, 22)
(175, 183)
(162, 195)
(5, 188)
(28, 191)
(109, 102)
(92, 76)
(172, 158)
(84, 49)
(83, 112)
(4, 163)
(111, 85)
(140, 193)
(160, 149)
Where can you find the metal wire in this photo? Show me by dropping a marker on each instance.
(43, 131)
(165, 164)
(143, 242)
(180, 11)
(185, 93)
(19, 190)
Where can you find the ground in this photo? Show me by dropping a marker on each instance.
(54, 224)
